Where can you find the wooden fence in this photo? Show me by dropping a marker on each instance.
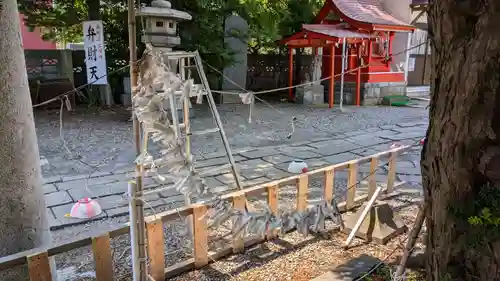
(38, 259)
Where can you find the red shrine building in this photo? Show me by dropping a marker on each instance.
(369, 31)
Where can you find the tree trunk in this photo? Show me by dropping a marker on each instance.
(461, 156)
(23, 217)
(94, 9)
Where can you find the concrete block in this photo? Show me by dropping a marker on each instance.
(305, 154)
(216, 161)
(278, 159)
(226, 178)
(98, 191)
(254, 164)
(259, 153)
(380, 225)
(113, 201)
(57, 198)
(339, 158)
(49, 188)
(117, 212)
(252, 173)
(53, 179)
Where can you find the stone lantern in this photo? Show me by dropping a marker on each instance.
(160, 30)
(160, 24)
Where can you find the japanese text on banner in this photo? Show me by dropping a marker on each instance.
(95, 58)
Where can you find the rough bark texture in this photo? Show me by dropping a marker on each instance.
(462, 151)
(23, 220)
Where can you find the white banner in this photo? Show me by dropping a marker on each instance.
(95, 58)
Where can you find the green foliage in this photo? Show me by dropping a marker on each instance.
(383, 273)
(485, 219)
(60, 22)
(268, 20)
(482, 213)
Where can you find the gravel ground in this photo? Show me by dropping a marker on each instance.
(104, 137)
(294, 256)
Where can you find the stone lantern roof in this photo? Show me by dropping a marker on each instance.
(162, 9)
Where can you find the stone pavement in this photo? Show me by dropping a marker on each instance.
(257, 165)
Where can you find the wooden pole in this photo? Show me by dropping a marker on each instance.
(370, 50)
(140, 240)
(331, 88)
(419, 222)
(290, 73)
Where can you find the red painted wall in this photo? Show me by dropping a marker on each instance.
(33, 40)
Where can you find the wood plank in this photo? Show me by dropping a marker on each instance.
(101, 248)
(302, 192)
(329, 190)
(391, 176)
(352, 183)
(239, 203)
(272, 202)
(200, 236)
(372, 178)
(156, 249)
(39, 267)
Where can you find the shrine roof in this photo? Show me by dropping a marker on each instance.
(335, 31)
(367, 11)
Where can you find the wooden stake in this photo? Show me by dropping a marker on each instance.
(419, 222)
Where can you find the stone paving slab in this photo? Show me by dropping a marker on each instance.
(278, 159)
(349, 271)
(256, 166)
(259, 153)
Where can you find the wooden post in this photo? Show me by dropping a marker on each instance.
(329, 185)
(352, 181)
(272, 202)
(391, 39)
(358, 79)
(156, 252)
(290, 73)
(39, 267)
(370, 51)
(331, 89)
(302, 185)
(101, 248)
(391, 176)
(372, 178)
(239, 203)
(200, 236)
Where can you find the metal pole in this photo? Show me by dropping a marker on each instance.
(426, 51)
(225, 141)
(342, 74)
(407, 59)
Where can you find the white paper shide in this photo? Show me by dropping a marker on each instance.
(95, 59)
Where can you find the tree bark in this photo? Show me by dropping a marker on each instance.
(462, 150)
(23, 217)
